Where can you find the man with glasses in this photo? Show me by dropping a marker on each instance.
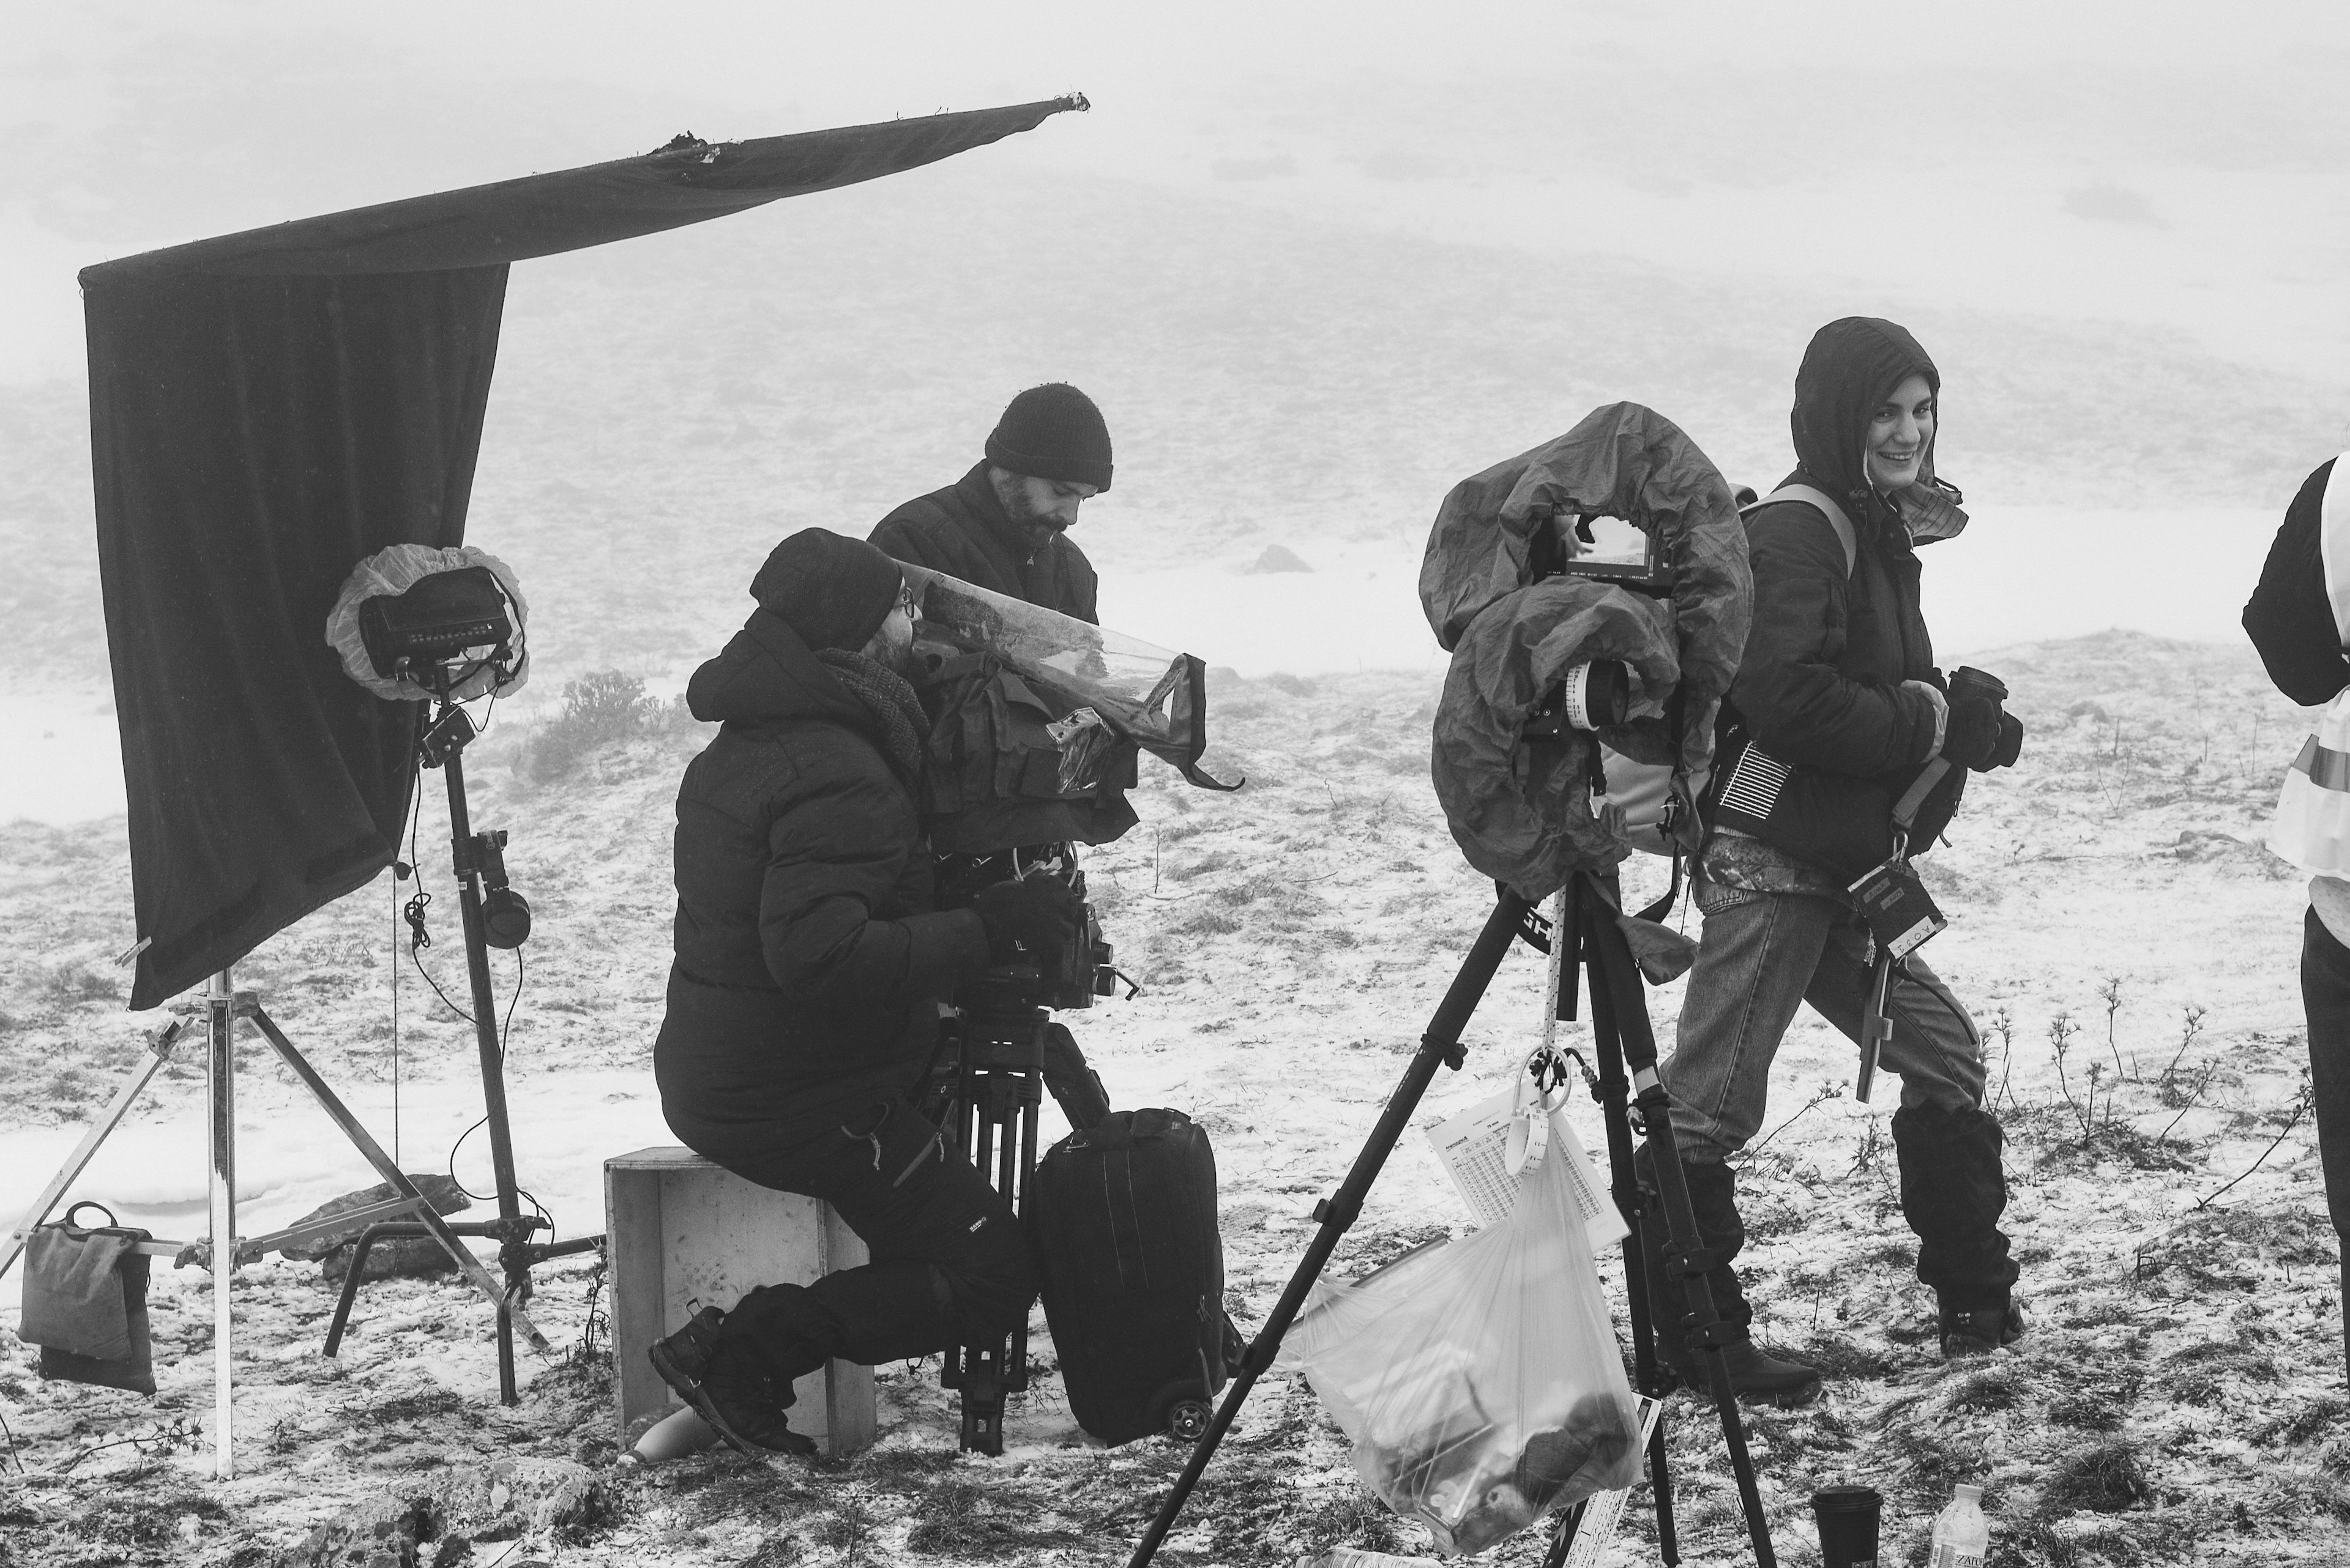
(1004, 525)
(811, 956)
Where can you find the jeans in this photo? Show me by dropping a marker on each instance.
(1763, 955)
(951, 1264)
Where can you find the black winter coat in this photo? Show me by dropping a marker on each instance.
(963, 532)
(810, 957)
(1820, 687)
(2290, 616)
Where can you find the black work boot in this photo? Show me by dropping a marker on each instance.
(1981, 1330)
(1953, 1190)
(1753, 1373)
(740, 1403)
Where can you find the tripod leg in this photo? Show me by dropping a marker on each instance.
(1614, 1088)
(1439, 1046)
(467, 1264)
(1618, 1006)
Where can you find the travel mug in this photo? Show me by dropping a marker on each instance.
(1847, 1520)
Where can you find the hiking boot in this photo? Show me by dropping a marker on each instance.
(741, 1409)
(1979, 1330)
(1755, 1375)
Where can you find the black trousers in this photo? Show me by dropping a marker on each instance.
(950, 1265)
(2325, 994)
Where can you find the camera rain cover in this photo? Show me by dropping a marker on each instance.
(1143, 693)
(1522, 813)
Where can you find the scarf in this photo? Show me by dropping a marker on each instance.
(885, 694)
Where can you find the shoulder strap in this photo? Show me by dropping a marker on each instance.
(1827, 507)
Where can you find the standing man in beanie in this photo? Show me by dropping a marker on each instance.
(1004, 525)
(802, 1003)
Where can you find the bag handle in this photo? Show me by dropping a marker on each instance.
(112, 1222)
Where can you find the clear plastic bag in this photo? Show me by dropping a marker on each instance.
(1479, 1379)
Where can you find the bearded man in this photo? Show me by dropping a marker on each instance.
(1004, 525)
(804, 1001)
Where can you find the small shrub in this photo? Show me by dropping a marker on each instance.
(599, 710)
(2103, 1478)
(75, 983)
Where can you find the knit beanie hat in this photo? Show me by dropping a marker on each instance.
(833, 591)
(1053, 431)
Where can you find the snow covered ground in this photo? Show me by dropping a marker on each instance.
(2179, 1399)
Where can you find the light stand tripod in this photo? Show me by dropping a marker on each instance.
(1625, 1019)
(493, 914)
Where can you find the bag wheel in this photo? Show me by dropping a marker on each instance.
(1187, 1421)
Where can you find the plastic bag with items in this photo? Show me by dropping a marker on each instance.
(1478, 1379)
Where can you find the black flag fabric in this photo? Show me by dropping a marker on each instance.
(269, 408)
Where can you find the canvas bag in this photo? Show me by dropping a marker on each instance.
(2312, 826)
(1479, 1381)
(86, 1303)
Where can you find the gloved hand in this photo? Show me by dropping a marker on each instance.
(1037, 914)
(1982, 735)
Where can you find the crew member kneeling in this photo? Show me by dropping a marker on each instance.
(802, 1003)
(1838, 684)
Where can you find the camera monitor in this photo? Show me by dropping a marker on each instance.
(1586, 544)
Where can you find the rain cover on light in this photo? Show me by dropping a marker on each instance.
(1155, 698)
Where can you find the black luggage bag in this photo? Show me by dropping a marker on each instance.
(1123, 1216)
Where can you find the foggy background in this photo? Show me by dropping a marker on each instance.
(1316, 262)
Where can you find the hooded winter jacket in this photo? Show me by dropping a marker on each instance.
(810, 956)
(963, 532)
(2290, 616)
(1820, 687)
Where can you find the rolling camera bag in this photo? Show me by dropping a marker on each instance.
(1123, 1216)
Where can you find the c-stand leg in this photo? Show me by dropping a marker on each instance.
(1620, 1030)
(1439, 1046)
(988, 1106)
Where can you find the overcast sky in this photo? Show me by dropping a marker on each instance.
(2176, 164)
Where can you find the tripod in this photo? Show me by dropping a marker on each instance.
(1621, 1021)
(493, 914)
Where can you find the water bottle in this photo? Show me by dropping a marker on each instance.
(1961, 1534)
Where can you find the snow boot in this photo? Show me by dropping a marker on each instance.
(739, 1401)
(1713, 1202)
(1953, 1190)
(1979, 1330)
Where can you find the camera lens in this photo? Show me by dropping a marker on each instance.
(1596, 695)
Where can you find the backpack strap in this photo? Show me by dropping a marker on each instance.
(1827, 508)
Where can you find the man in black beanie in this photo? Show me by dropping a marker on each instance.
(803, 1003)
(1004, 525)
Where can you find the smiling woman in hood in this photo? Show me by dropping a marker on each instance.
(1835, 712)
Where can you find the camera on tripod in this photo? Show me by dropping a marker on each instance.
(1079, 970)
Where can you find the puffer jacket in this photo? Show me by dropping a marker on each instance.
(810, 956)
(962, 531)
(1820, 687)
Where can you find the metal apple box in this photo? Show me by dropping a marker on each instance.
(681, 1229)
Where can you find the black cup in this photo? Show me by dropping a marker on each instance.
(1847, 1518)
(1965, 680)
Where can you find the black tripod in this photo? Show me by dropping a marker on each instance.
(493, 914)
(1620, 1021)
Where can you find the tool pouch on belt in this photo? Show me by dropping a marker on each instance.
(86, 1303)
(1837, 821)
(995, 775)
